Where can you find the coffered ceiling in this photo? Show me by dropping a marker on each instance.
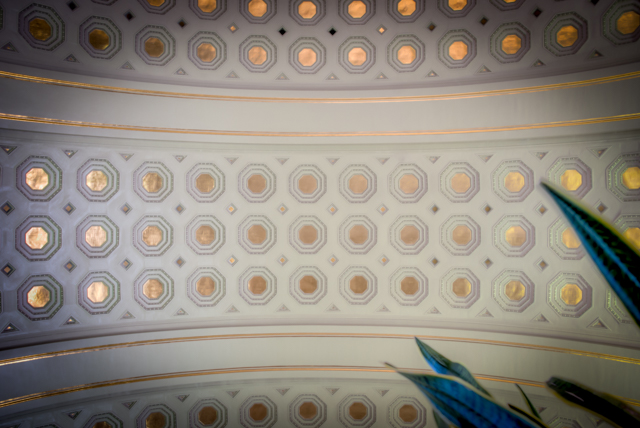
(320, 44)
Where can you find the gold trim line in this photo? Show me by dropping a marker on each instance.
(236, 370)
(575, 352)
(415, 98)
(63, 122)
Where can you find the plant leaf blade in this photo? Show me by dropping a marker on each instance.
(603, 405)
(464, 405)
(614, 257)
(442, 365)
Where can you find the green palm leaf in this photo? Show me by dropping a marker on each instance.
(601, 404)
(442, 365)
(616, 259)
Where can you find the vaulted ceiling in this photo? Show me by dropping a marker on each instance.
(231, 213)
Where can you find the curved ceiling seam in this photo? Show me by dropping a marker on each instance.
(196, 373)
(138, 128)
(416, 98)
(591, 354)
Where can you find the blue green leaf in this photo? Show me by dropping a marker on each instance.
(440, 422)
(464, 405)
(532, 408)
(601, 404)
(616, 259)
(442, 365)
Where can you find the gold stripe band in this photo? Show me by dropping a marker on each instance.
(419, 98)
(212, 372)
(575, 352)
(62, 122)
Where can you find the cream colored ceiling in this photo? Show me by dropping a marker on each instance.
(167, 248)
(376, 44)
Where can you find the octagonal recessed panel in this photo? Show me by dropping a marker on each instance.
(307, 183)
(405, 53)
(153, 181)
(41, 27)
(98, 180)
(358, 183)
(409, 235)
(98, 293)
(307, 55)
(258, 11)
(405, 11)
(357, 411)
(208, 413)
(257, 183)
(307, 12)
(357, 55)
(208, 9)
(513, 291)
(356, 12)
(621, 22)
(623, 177)
(97, 236)
(456, 8)
(460, 235)
(100, 37)
(205, 182)
(207, 50)
(572, 174)
(514, 236)
(307, 411)
(206, 287)
(460, 288)
(505, 5)
(153, 289)
(38, 238)
(513, 181)
(564, 241)
(617, 309)
(408, 183)
(409, 286)
(358, 285)
(205, 234)
(155, 45)
(257, 285)
(258, 54)
(459, 182)
(565, 34)
(39, 178)
(152, 235)
(569, 294)
(258, 411)
(40, 297)
(457, 48)
(104, 420)
(510, 42)
(307, 234)
(358, 234)
(308, 285)
(157, 6)
(156, 415)
(407, 412)
(257, 234)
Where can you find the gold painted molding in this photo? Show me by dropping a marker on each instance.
(79, 124)
(235, 370)
(575, 352)
(417, 98)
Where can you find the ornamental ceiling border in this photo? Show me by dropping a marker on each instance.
(80, 124)
(419, 98)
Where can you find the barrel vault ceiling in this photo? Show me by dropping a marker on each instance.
(319, 43)
(231, 213)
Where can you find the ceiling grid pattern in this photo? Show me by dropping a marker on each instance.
(167, 241)
(315, 44)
